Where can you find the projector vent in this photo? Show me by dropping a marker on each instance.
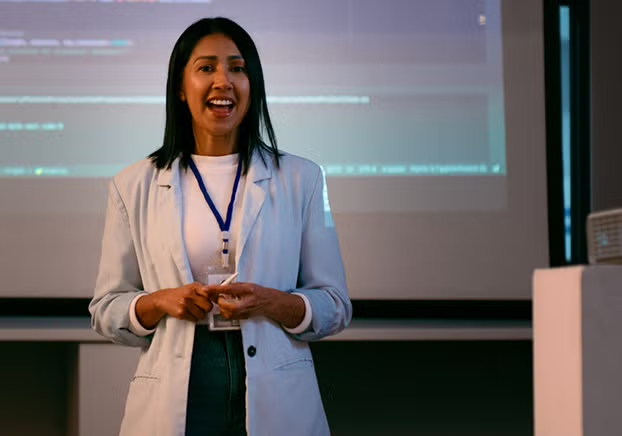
(604, 234)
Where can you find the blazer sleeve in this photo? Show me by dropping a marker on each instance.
(321, 276)
(118, 280)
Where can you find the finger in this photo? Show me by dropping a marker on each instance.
(210, 292)
(226, 314)
(214, 295)
(235, 289)
(203, 293)
(196, 287)
(234, 314)
(184, 314)
(189, 306)
(232, 289)
(230, 304)
(178, 310)
(238, 309)
(203, 303)
(195, 312)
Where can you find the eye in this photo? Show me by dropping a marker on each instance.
(238, 69)
(206, 68)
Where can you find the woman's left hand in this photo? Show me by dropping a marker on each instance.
(246, 300)
(241, 300)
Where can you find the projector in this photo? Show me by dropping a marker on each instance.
(604, 237)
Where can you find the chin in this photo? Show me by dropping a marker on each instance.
(222, 132)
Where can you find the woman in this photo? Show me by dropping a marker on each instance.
(213, 200)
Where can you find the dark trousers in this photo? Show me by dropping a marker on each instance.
(217, 389)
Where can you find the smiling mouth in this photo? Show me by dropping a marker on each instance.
(220, 105)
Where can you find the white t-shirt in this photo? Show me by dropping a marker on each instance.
(201, 232)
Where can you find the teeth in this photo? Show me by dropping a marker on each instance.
(221, 102)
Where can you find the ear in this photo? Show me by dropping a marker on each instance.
(182, 96)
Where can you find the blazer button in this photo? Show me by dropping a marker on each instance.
(251, 351)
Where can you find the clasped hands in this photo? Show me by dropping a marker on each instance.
(236, 300)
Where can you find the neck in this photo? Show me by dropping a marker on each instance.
(211, 145)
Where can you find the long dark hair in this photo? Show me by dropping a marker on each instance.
(178, 135)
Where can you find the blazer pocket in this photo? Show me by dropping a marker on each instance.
(294, 364)
(141, 407)
(145, 379)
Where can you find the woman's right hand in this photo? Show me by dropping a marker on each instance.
(182, 303)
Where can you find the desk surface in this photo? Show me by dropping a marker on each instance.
(79, 330)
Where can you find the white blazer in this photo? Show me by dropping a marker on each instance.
(284, 243)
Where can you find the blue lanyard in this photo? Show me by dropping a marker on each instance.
(226, 224)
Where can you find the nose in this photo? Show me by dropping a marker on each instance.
(222, 79)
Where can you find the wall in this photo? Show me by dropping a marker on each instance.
(446, 388)
(606, 34)
(427, 388)
(35, 388)
(388, 388)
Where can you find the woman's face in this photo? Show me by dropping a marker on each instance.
(215, 86)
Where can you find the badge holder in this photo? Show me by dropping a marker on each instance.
(216, 322)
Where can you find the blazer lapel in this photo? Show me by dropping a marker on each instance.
(254, 196)
(170, 211)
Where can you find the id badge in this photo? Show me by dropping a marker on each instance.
(215, 321)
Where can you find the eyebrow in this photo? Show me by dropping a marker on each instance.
(215, 58)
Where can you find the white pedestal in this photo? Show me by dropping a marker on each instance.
(577, 329)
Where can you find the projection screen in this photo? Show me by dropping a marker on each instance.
(427, 117)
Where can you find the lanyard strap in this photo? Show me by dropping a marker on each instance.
(226, 224)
